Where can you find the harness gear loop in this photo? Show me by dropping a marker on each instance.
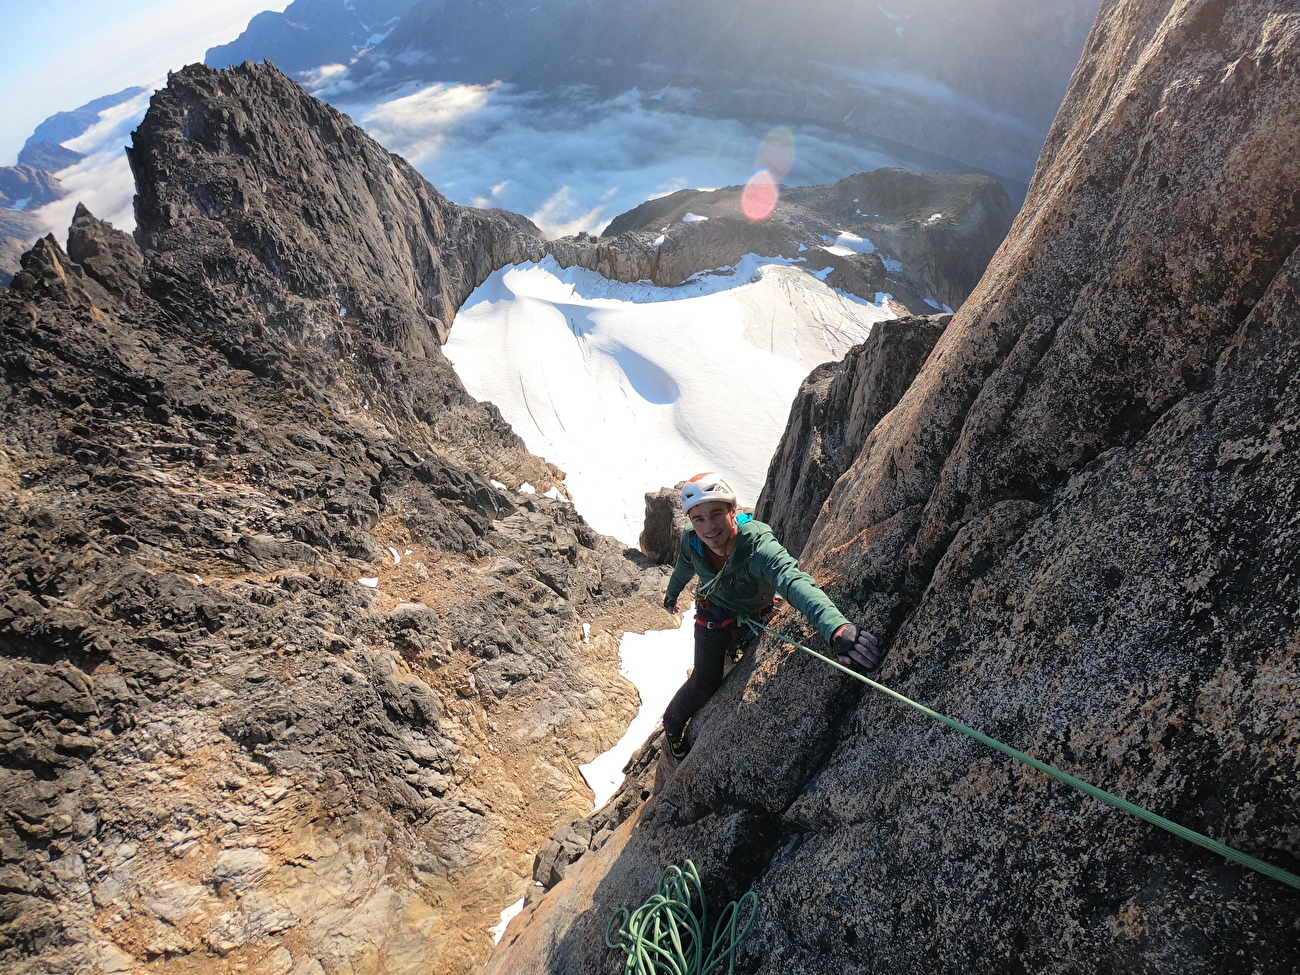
(1133, 809)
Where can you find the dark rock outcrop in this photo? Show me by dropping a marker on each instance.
(664, 521)
(928, 236)
(1077, 531)
(285, 681)
(285, 177)
(837, 406)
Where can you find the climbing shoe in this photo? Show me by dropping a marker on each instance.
(679, 746)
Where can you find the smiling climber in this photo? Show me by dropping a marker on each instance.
(742, 567)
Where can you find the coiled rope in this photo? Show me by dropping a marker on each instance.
(665, 935)
(1191, 836)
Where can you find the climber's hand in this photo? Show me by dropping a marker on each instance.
(856, 648)
(670, 605)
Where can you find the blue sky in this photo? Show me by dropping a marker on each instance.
(59, 54)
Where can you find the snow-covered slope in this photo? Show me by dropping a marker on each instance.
(628, 387)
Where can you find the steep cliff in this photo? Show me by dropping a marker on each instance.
(837, 406)
(286, 683)
(1077, 530)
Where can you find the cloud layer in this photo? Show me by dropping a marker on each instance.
(569, 164)
(574, 163)
(103, 180)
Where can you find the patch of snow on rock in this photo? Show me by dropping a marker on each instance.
(849, 243)
(693, 218)
(370, 582)
(527, 488)
(657, 662)
(509, 914)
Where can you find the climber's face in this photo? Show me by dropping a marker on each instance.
(715, 523)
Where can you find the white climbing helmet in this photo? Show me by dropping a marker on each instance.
(706, 487)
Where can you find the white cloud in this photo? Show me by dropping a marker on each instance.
(570, 163)
(574, 162)
(562, 214)
(103, 180)
(414, 126)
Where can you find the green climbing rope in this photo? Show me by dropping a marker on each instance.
(1236, 856)
(665, 935)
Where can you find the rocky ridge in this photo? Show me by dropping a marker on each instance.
(287, 683)
(922, 238)
(276, 624)
(1077, 531)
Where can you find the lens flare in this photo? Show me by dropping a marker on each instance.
(776, 153)
(759, 197)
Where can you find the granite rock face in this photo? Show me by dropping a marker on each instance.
(836, 407)
(286, 684)
(922, 238)
(1077, 531)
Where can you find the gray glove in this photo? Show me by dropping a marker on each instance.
(856, 648)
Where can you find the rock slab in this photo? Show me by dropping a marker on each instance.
(1077, 531)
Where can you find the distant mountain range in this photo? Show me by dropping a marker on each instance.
(976, 81)
(32, 183)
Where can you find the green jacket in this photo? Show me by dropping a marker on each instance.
(759, 568)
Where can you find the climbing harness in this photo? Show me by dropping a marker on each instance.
(666, 933)
(715, 624)
(1236, 856)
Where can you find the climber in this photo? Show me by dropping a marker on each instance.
(741, 567)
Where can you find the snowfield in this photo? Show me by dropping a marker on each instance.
(629, 387)
(658, 663)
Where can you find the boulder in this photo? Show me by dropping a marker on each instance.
(664, 522)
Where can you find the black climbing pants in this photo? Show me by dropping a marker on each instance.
(711, 650)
